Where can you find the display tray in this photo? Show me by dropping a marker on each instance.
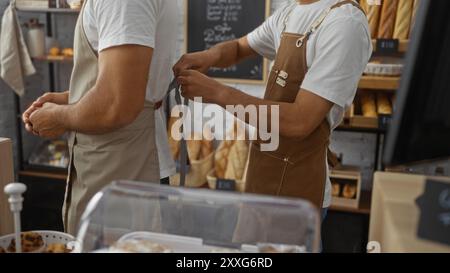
(49, 238)
(50, 154)
(149, 242)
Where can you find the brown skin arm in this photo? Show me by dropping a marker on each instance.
(297, 120)
(114, 102)
(222, 55)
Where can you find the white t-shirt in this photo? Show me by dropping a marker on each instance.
(337, 53)
(151, 23)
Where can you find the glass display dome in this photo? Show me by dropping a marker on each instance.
(145, 217)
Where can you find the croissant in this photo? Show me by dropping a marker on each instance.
(237, 160)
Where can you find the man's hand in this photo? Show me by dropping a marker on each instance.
(57, 98)
(195, 84)
(45, 121)
(199, 61)
(221, 55)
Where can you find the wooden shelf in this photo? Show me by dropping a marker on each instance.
(379, 83)
(349, 128)
(403, 45)
(49, 10)
(364, 206)
(54, 59)
(57, 176)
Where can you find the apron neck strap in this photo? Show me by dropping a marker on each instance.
(322, 17)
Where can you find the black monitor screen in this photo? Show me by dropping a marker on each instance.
(421, 126)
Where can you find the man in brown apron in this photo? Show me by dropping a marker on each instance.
(108, 114)
(298, 168)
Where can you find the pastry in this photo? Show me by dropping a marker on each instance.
(384, 106)
(373, 16)
(2, 250)
(140, 246)
(387, 19)
(237, 159)
(31, 242)
(349, 191)
(67, 52)
(57, 248)
(221, 158)
(403, 20)
(336, 189)
(368, 106)
(54, 51)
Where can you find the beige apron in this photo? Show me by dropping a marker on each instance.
(97, 160)
(298, 167)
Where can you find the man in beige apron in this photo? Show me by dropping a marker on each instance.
(298, 168)
(111, 152)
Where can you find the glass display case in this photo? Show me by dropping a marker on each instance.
(146, 218)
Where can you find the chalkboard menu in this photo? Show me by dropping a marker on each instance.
(210, 22)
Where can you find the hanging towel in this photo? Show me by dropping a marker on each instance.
(15, 61)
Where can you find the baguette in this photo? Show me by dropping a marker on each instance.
(387, 19)
(221, 158)
(237, 159)
(403, 20)
(373, 16)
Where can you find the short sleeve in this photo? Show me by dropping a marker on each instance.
(122, 22)
(262, 39)
(342, 50)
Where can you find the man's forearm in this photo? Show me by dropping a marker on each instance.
(94, 114)
(290, 122)
(229, 53)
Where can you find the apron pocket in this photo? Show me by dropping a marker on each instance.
(265, 172)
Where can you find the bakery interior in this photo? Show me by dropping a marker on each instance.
(391, 188)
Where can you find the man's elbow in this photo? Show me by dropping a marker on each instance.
(297, 130)
(120, 116)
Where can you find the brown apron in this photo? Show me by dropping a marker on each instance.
(298, 168)
(129, 153)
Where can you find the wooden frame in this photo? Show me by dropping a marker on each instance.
(230, 80)
(350, 176)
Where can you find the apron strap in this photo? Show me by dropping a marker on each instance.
(184, 158)
(322, 17)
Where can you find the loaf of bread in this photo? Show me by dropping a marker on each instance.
(403, 20)
(336, 190)
(387, 19)
(173, 144)
(373, 16)
(349, 191)
(368, 106)
(194, 146)
(384, 105)
(237, 159)
(416, 5)
(221, 158)
(364, 6)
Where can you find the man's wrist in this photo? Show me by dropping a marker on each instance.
(223, 95)
(62, 116)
